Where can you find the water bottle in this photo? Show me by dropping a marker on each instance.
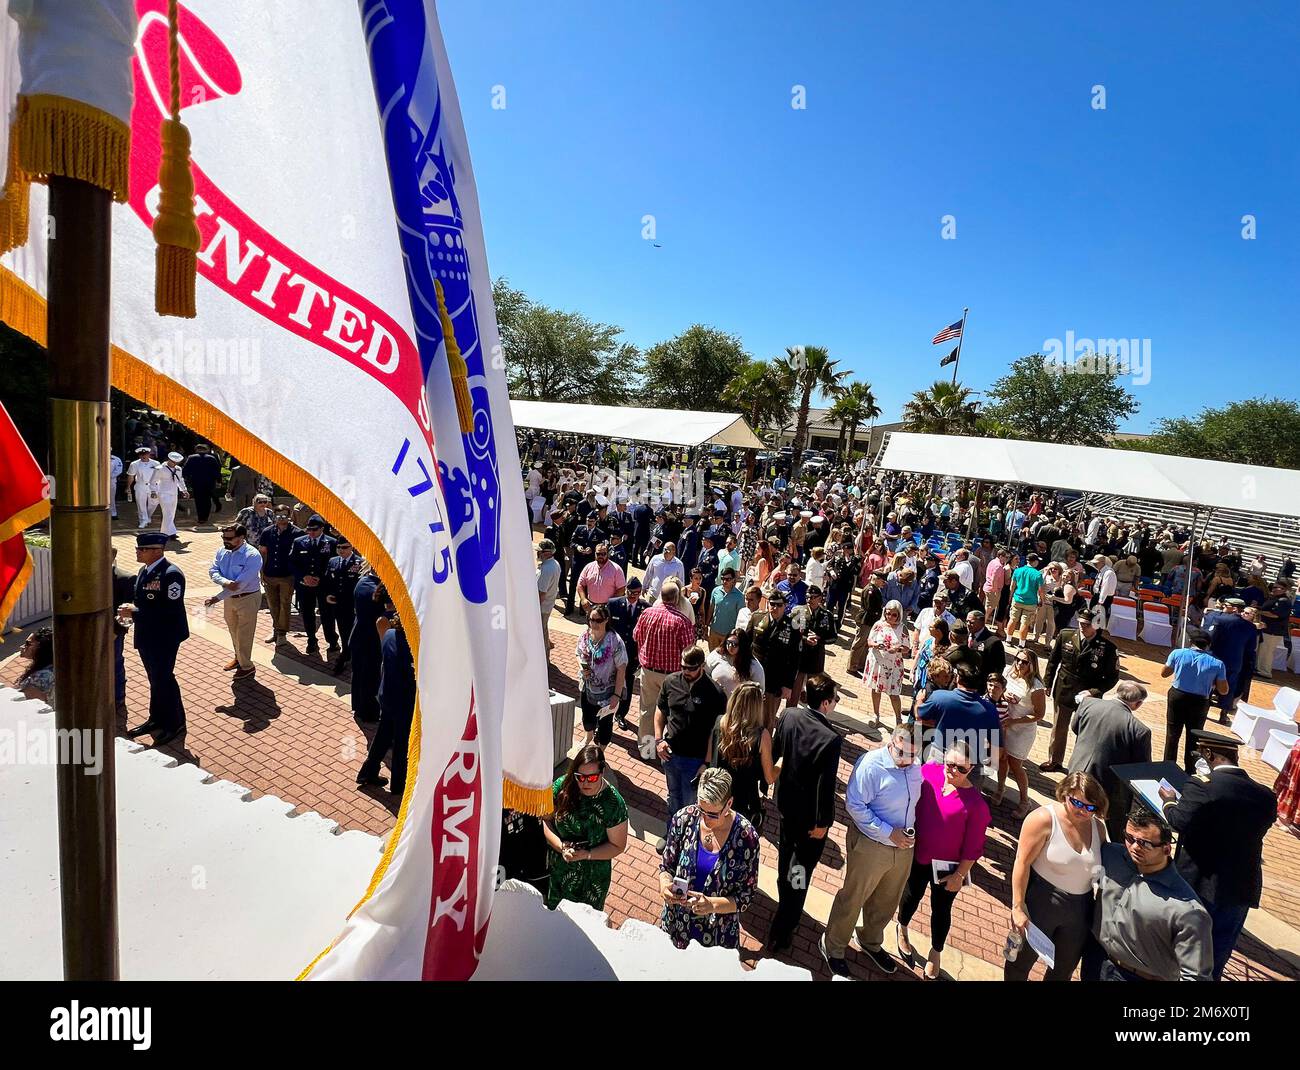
(1015, 941)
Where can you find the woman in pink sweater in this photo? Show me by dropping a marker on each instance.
(951, 821)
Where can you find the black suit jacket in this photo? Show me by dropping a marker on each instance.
(810, 749)
(1221, 826)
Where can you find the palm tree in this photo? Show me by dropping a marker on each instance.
(811, 370)
(762, 390)
(944, 409)
(858, 404)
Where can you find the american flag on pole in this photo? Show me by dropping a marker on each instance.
(953, 330)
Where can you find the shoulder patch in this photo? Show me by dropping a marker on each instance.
(173, 591)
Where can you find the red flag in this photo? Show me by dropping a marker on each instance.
(24, 501)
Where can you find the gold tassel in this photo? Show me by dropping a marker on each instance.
(174, 228)
(61, 136)
(17, 193)
(456, 366)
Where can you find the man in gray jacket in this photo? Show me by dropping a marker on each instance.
(1107, 734)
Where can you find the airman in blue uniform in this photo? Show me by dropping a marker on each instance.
(309, 559)
(158, 614)
(370, 602)
(337, 587)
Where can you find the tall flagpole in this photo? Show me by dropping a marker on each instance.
(960, 339)
(80, 531)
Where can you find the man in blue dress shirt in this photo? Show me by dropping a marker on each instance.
(881, 799)
(1196, 674)
(237, 570)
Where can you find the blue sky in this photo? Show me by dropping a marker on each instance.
(822, 225)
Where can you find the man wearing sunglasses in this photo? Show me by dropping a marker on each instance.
(1148, 925)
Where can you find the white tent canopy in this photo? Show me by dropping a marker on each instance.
(1128, 473)
(668, 427)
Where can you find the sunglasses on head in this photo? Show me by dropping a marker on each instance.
(1079, 804)
(586, 778)
(1136, 841)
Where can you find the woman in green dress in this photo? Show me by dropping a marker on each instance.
(587, 830)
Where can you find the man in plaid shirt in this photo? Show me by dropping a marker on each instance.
(662, 634)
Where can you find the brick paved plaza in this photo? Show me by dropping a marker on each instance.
(289, 732)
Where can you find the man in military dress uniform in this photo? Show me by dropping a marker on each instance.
(1221, 817)
(1082, 660)
(158, 614)
(582, 551)
(337, 588)
(370, 602)
(138, 478)
(310, 559)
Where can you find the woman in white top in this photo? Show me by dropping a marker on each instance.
(733, 663)
(1058, 860)
(1026, 704)
(815, 575)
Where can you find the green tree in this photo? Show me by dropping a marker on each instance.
(1263, 431)
(763, 392)
(855, 406)
(1080, 404)
(943, 409)
(689, 371)
(562, 356)
(811, 370)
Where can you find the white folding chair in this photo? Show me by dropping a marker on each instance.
(1278, 748)
(1286, 701)
(1156, 628)
(1252, 724)
(1123, 618)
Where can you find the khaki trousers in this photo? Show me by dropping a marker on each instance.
(858, 652)
(279, 597)
(241, 620)
(1268, 645)
(651, 684)
(874, 877)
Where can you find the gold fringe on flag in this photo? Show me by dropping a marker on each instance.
(174, 228)
(61, 136)
(17, 194)
(458, 368)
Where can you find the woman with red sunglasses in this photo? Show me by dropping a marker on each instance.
(586, 832)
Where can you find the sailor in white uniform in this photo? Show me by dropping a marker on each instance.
(168, 485)
(114, 474)
(139, 484)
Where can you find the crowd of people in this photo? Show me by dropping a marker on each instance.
(268, 561)
(744, 585)
(724, 636)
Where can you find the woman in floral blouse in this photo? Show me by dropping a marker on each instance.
(587, 831)
(713, 852)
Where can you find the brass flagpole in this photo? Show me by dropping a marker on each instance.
(80, 529)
